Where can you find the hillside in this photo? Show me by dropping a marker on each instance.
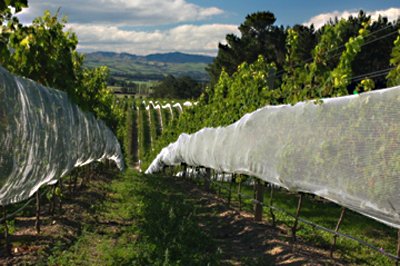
(153, 66)
(179, 58)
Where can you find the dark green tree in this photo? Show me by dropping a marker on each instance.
(17, 4)
(166, 89)
(307, 40)
(187, 88)
(259, 36)
(182, 88)
(6, 15)
(375, 53)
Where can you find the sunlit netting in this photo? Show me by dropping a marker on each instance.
(43, 136)
(346, 150)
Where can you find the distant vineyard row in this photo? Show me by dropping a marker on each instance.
(146, 120)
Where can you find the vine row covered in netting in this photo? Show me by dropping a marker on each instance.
(43, 136)
(345, 149)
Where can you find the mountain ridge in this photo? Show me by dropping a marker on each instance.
(172, 57)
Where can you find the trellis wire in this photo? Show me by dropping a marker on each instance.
(311, 224)
(23, 207)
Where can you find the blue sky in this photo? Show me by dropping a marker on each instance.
(191, 26)
(290, 12)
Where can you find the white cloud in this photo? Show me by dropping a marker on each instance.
(122, 12)
(199, 39)
(102, 25)
(392, 14)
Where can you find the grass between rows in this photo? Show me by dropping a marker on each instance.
(144, 221)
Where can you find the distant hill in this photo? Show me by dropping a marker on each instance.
(153, 66)
(179, 58)
(175, 57)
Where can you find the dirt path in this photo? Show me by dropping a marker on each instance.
(244, 241)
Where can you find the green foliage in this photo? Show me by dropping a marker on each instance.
(394, 74)
(3, 117)
(258, 37)
(96, 98)
(376, 53)
(131, 143)
(46, 52)
(318, 79)
(6, 15)
(144, 131)
(165, 117)
(155, 124)
(17, 4)
(181, 88)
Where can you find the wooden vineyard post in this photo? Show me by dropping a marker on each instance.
(240, 192)
(294, 228)
(83, 177)
(37, 224)
(254, 189)
(53, 200)
(190, 174)
(272, 204)
(92, 171)
(184, 170)
(76, 179)
(207, 180)
(336, 230)
(192, 177)
(258, 208)
(198, 175)
(212, 177)
(70, 183)
(88, 172)
(219, 188)
(230, 190)
(60, 200)
(6, 235)
(398, 248)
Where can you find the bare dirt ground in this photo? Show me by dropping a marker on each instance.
(242, 240)
(247, 242)
(65, 226)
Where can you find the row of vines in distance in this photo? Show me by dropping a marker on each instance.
(145, 123)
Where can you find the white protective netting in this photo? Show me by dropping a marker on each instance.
(346, 149)
(43, 136)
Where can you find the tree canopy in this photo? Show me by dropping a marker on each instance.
(259, 36)
(182, 88)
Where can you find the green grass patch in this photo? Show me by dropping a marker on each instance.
(165, 117)
(144, 131)
(145, 221)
